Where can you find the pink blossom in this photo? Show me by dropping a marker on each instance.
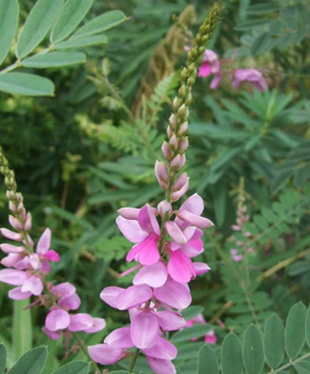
(211, 65)
(44, 254)
(251, 75)
(236, 255)
(104, 354)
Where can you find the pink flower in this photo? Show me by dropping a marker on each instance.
(210, 337)
(144, 231)
(251, 75)
(236, 255)
(211, 65)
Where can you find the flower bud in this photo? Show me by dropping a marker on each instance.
(173, 121)
(176, 104)
(183, 145)
(170, 132)
(178, 194)
(28, 222)
(183, 129)
(173, 142)
(164, 207)
(182, 111)
(178, 162)
(166, 150)
(15, 223)
(12, 206)
(129, 213)
(161, 173)
(179, 183)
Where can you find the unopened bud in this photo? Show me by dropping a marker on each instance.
(173, 142)
(173, 121)
(178, 194)
(15, 223)
(164, 207)
(12, 206)
(166, 151)
(129, 213)
(28, 222)
(182, 91)
(183, 145)
(179, 183)
(176, 104)
(183, 129)
(178, 162)
(161, 172)
(182, 111)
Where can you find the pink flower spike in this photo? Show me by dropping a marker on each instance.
(11, 235)
(174, 294)
(170, 321)
(161, 366)
(133, 296)
(98, 325)
(109, 295)
(144, 330)
(201, 268)
(17, 294)
(129, 213)
(44, 242)
(175, 232)
(104, 354)
(180, 267)
(80, 322)
(57, 319)
(154, 276)
(131, 230)
(34, 285)
(162, 349)
(13, 277)
(52, 255)
(9, 248)
(54, 335)
(119, 338)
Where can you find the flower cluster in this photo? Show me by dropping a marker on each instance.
(27, 267)
(212, 66)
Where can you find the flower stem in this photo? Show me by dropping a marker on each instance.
(84, 349)
(133, 360)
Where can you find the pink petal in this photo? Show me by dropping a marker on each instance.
(180, 267)
(175, 232)
(9, 248)
(205, 70)
(57, 319)
(44, 266)
(129, 213)
(71, 302)
(161, 366)
(63, 289)
(144, 330)
(131, 230)
(52, 256)
(44, 242)
(201, 268)
(192, 233)
(80, 322)
(216, 81)
(11, 259)
(11, 235)
(13, 277)
(23, 264)
(148, 221)
(146, 252)
(154, 275)
(34, 261)
(98, 325)
(17, 294)
(170, 321)
(193, 219)
(15, 223)
(104, 354)
(109, 295)
(174, 294)
(55, 335)
(119, 338)
(162, 349)
(210, 337)
(133, 296)
(194, 204)
(34, 285)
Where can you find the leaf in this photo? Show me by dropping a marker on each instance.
(263, 8)
(39, 21)
(119, 372)
(253, 353)
(231, 357)
(262, 44)
(220, 202)
(54, 59)
(295, 330)
(2, 358)
(189, 333)
(249, 25)
(302, 367)
(31, 362)
(274, 341)
(71, 15)
(22, 328)
(9, 13)
(207, 361)
(26, 84)
(288, 16)
(99, 24)
(192, 311)
(189, 351)
(82, 42)
(75, 367)
(307, 324)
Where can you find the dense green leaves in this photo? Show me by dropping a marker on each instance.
(274, 341)
(231, 357)
(207, 361)
(75, 367)
(38, 23)
(102, 23)
(71, 15)
(26, 84)
(31, 362)
(2, 358)
(252, 350)
(295, 330)
(54, 59)
(9, 12)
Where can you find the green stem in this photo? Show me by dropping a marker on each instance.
(289, 364)
(133, 361)
(10, 68)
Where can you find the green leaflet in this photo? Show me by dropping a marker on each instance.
(196, 331)
(295, 330)
(207, 361)
(9, 13)
(37, 25)
(252, 350)
(274, 341)
(54, 59)
(2, 358)
(71, 15)
(26, 84)
(99, 24)
(31, 362)
(75, 367)
(307, 324)
(231, 357)
(82, 42)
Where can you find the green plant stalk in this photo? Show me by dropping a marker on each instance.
(133, 360)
